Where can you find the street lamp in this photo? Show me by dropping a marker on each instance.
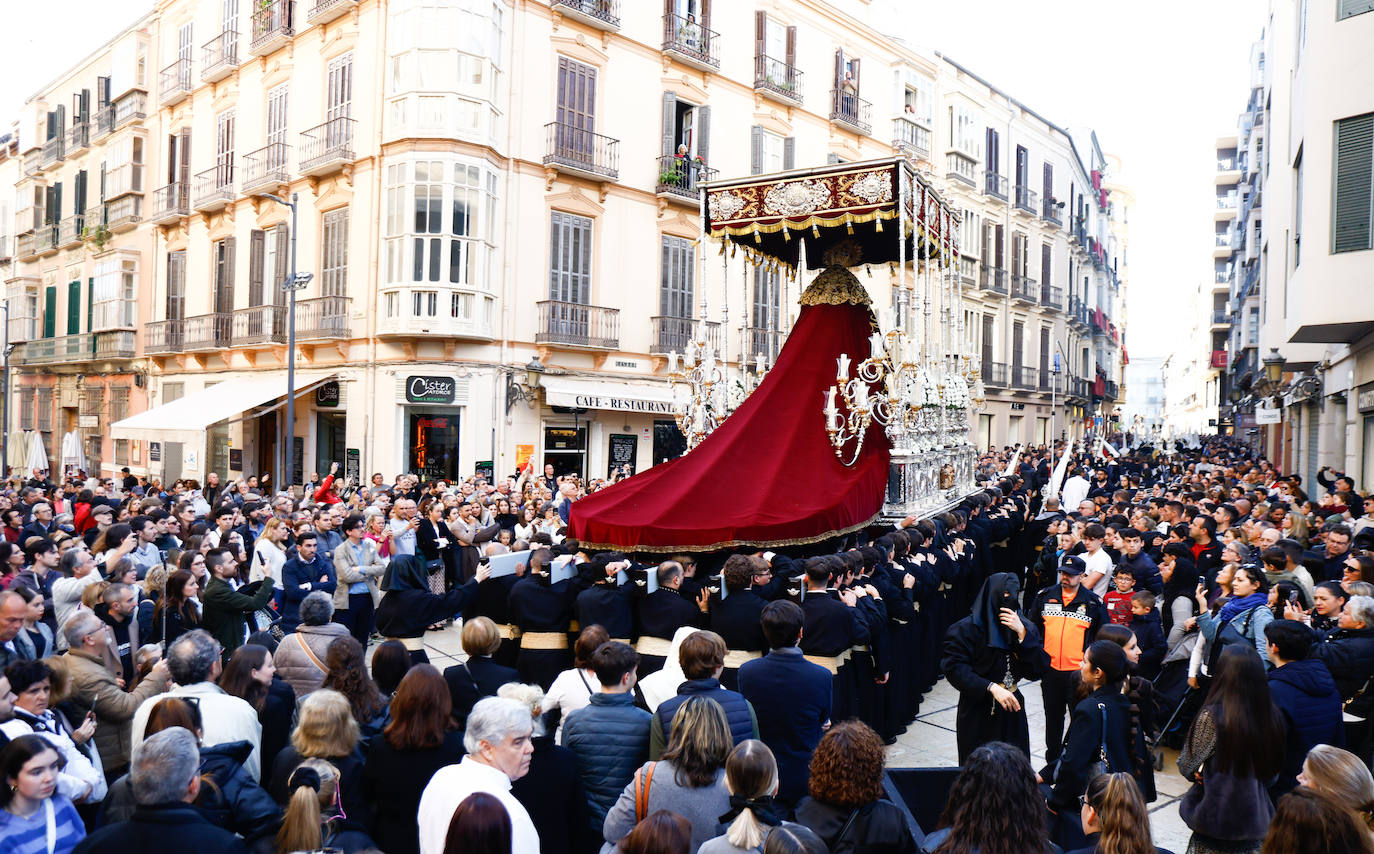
(1273, 368)
(526, 391)
(295, 282)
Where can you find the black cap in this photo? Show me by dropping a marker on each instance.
(1073, 565)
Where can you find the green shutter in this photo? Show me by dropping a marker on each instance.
(50, 312)
(74, 307)
(90, 304)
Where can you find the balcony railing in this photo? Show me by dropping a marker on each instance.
(219, 56)
(272, 25)
(25, 247)
(207, 331)
(1023, 288)
(59, 350)
(681, 177)
(1227, 241)
(1051, 212)
(327, 147)
(995, 185)
(78, 137)
(214, 187)
(581, 152)
(673, 334)
(960, 167)
(164, 336)
(602, 14)
(776, 77)
(69, 231)
(1025, 377)
(174, 83)
(968, 271)
(995, 374)
(104, 120)
(266, 168)
(992, 279)
(850, 109)
(1027, 200)
(689, 41)
(54, 150)
(325, 11)
(119, 344)
(1220, 316)
(1228, 202)
(322, 318)
(1052, 297)
(1111, 390)
(763, 342)
(906, 134)
(33, 161)
(259, 324)
(130, 108)
(1048, 382)
(571, 324)
(45, 238)
(171, 202)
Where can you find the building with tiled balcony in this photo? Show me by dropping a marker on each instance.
(480, 186)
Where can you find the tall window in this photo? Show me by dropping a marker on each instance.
(222, 257)
(676, 277)
(429, 213)
(334, 254)
(963, 133)
(176, 285)
(570, 258)
(1297, 209)
(119, 403)
(224, 148)
(115, 289)
(1353, 195)
(440, 223)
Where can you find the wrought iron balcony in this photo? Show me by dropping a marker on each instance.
(272, 26)
(685, 39)
(681, 177)
(116, 344)
(1027, 200)
(69, 231)
(910, 136)
(174, 83)
(571, 324)
(992, 279)
(602, 14)
(775, 78)
(325, 11)
(54, 150)
(1052, 297)
(1023, 288)
(104, 121)
(995, 185)
(33, 161)
(259, 324)
(45, 238)
(59, 350)
(214, 188)
(322, 318)
(171, 202)
(265, 170)
(672, 334)
(763, 342)
(961, 167)
(1111, 390)
(995, 374)
(1050, 212)
(328, 147)
(1025, 377)
(164, 336)
(78, 137)
(580, 152)
(219, 56)
(26, 247)
(848, 108)
(207, 331)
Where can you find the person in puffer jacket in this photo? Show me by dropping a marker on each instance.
(1306, 695)
(610, 736)
(229, 796)
(702, 656)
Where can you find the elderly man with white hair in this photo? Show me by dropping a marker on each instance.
(498, 746)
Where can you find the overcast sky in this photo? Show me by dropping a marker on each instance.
(1157, 81)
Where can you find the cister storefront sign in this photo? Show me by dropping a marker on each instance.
(423, 389)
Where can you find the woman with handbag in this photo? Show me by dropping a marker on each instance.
(435, 545)
(1098, 741)
(1235, 749)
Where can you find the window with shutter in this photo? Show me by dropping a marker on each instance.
(223, 254)
(1350, 8)
(1044, 356)
(257, 242)
(989, 328)
(334, 257)
(176, 285)
(676, 292)
(576, 112)
(570, 263)
(756, 150)
(1353, 194)
(1046, 267)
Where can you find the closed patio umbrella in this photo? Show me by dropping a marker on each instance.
(38, 455)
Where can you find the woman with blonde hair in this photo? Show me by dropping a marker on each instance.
(325, 730)
(268, 553)
(314, 818)
(751, 774)
(1114, 817)
(688, 780)
(1344, 777)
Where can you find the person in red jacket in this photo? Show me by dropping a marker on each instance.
(326, 494)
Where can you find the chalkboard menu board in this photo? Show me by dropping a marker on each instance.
(297, 459)
(624, 451)
(236, 459)
(353, 465)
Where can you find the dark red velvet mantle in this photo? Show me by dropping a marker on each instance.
(768, 475)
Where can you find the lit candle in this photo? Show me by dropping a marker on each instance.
(843, 363)
(875, 345)
(762, 366)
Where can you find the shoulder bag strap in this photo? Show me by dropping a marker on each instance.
(1102, 707)
(310, 653)
(51, 821)
(643, 778)
(585, 683)
(848, 823)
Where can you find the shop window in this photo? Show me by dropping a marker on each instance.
(433, 439)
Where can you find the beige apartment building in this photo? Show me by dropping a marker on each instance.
(498, 204)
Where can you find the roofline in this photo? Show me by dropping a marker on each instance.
(143, 17)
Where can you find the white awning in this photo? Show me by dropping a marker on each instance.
(210, 405)
(655, 398)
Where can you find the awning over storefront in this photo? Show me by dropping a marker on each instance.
(211, 405)
(618, 395)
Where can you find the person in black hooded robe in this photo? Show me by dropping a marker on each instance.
(983, 656)
(408, 607)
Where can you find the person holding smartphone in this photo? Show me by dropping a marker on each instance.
(984, 655)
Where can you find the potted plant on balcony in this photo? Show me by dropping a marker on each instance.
(97, 236)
